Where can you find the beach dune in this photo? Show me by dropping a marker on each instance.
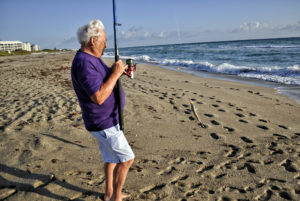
(246, 145)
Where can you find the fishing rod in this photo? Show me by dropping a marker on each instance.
(129, 71)
(119, 85)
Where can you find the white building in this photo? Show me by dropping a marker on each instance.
(26, 46)
(14, 45)
(35, 48)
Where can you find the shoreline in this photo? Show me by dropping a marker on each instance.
(290, 91)
(245, 146)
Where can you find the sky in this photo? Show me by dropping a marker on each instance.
(54, 23)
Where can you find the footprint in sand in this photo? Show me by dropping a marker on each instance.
(25, 155)
(225, 199)
(176, 108)
(267, 195)
(239, 109)
(205, 169)
(171, 101)
(220, 176)
(192, 118)
(289, 166)
(278, 151)
(221, 110)
(295, 136)
(209, 115)
(202, 125)
(239, 115)
(188, 111)
(285, 195)
(152, 187)
(214, 136)
(177, 161)
(282, 126)
(234, 151)
(247, 140)
(167, 171)
(136, 168)
(178, 179)
(262, 127)
(250, 168)
(262, 120)
(243, 121)
(252, 114)
(279, 136)
(214, 122)
(211, 192)
(228, 128)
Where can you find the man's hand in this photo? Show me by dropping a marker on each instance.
(118, 68)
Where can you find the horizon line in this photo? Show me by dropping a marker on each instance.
(292, 37)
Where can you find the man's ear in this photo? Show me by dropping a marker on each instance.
(93, 41)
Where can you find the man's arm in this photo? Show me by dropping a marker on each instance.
(107, 87)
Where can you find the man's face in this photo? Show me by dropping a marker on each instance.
(100, 44)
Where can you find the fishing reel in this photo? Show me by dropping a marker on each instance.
(131, 68)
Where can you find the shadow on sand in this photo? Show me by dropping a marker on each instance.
(39, 186)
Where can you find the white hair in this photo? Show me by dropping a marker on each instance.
(85, 32)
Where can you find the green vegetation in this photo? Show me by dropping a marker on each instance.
(24, 52)
(53, 50)
(16, 52)
(3, 53)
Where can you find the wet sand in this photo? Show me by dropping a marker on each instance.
(245, 147)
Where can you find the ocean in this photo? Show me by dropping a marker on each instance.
(271, 60)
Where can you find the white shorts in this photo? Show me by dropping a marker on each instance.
(113, 145)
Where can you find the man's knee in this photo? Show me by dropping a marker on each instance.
(127, 163)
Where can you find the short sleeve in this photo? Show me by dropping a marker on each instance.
(89, 78)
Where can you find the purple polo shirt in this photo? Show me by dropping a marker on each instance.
(88, 74)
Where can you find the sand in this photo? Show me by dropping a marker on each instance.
(245, 147)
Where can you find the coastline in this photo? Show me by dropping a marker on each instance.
(248, 148)
(291, 91)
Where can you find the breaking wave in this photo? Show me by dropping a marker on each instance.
(287, 75)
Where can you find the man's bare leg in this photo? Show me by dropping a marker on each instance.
(120, 175)
(109, 177)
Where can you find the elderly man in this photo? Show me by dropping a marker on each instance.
(95, 87)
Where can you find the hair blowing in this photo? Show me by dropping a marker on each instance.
(85, 32)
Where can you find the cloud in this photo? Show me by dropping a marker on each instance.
(251, 27)
(260, 27)
(290, 27)
(138, 35)
(135, 33)
(132, 32)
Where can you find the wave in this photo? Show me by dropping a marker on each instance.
(287, 75)
(272, 46)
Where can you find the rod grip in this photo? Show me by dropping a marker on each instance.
(120, 104)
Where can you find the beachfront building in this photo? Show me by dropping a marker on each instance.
(26, 46)
(9, 46)
(35, 48)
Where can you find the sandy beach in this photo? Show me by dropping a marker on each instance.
(246, 145)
